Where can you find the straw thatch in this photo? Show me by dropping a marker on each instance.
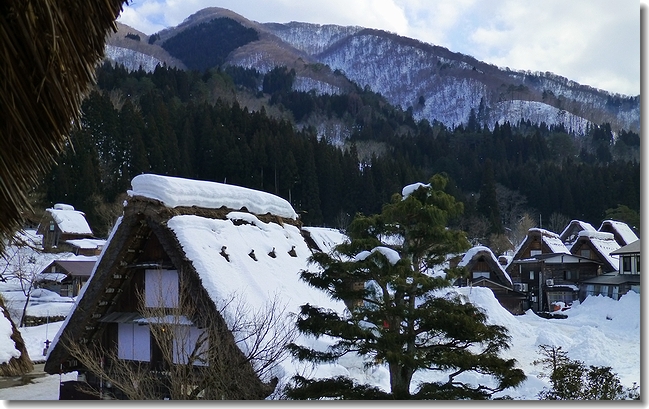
(22, 364)
(48, 53)
(142, 236)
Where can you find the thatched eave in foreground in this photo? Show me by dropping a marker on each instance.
(48, 55)
(22, 364)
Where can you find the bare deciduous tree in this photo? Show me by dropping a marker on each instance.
(20, 265)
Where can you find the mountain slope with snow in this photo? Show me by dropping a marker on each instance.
(436, 83)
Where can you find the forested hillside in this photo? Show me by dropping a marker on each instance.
(182, 123)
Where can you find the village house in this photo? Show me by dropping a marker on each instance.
(484, 270)
(65, 229)
(617, 283)
(543, 268)
(180, 259)
(555, 270)
(66, 276)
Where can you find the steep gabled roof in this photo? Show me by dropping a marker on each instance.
(571, 232)
(550, 239)
(475, 253)
(623, 233)
(232, 254)
(69, 220)
(603, 243)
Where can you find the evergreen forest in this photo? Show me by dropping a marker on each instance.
(244, 128)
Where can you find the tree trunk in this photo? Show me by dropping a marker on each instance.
(400, 378)
(24, 314)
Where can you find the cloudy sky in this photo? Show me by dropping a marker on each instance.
(593, 42)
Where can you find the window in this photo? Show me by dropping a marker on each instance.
(590, 289)
(626, 265)
(603, 290)
(585, 253)
(161, 288)
(535, 252)
(571, 275)
(478, 274)
(133, 342)
(565, 297)
(531, 275)
(615, 292)
(522, 287)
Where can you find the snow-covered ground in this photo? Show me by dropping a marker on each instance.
(600, 331)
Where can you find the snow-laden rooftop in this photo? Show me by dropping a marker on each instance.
(471, 253)
(604, 243)
(203, 240)
(69, 220)
(174, 192)
(621, 228)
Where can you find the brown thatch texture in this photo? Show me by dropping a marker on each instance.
(22, 364)
(48, 53)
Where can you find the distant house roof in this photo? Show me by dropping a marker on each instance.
(79, 266)
(623, 233)
(570, 234)
(614, 279)
(473, 255)
(602, 242)
(70, 221)
(550, 239)
(632, 248)
(87, 243)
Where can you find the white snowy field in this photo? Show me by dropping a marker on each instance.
(600, 332)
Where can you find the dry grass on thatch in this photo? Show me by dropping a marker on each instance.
(48, 53)
(22, 364)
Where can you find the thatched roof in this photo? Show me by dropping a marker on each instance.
(144, 224)
(22, 364)
(48, 53)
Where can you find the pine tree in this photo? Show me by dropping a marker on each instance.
(401, 313)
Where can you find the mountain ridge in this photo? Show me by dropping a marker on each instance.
(434, 83)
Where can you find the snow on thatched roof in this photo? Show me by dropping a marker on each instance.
(69, 220)
(233, 254)
(175, 192)
(571, 231)
(550, 239)
(604, 243)
(619, 229)
(14, 359)
(476, 251)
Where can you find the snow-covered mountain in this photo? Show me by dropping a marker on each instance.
(432, 81)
